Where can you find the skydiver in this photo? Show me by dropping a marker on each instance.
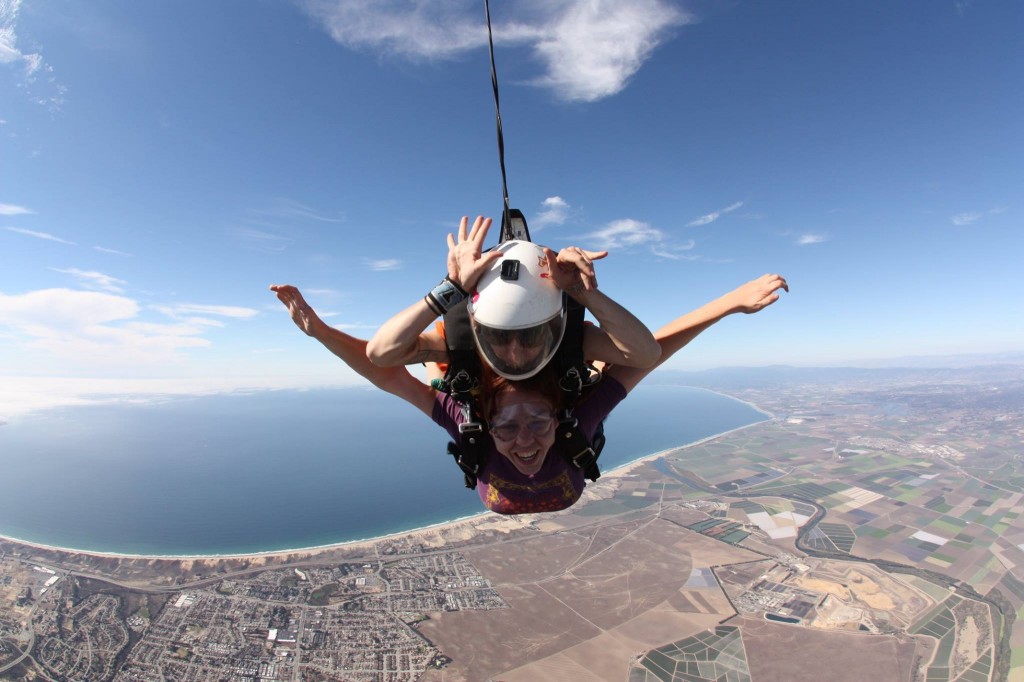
(524, 476)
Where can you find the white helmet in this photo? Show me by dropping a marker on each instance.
(517, 312)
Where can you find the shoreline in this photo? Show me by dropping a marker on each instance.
(483, 516)
(625, 468)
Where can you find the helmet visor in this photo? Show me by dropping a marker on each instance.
(518, 354)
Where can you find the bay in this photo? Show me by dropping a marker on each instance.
(273, 470)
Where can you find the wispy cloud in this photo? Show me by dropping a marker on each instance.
(184, 309)
(11, 209)
(356, 327)
(675, 251)
(103, 249)
(271, 228)
(262, 241)
(86, 326)
(193, 318)
(805, 239)
(625, 233)
(554, 211)
(587, 49)
(39, 235)
(35, 74)
(9, 52)
(289, 209)
(714, 215)
(961, 219)
(383, 264)
(592, 50)
(971, 217)
(91, 279)
(23, 395)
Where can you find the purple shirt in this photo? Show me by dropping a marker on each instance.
(557, 485)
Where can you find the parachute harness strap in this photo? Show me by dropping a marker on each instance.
(497, 113)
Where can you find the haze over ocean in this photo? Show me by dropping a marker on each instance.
(273, 470)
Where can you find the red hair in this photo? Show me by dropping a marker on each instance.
(544, 384)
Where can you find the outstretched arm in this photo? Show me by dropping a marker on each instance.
(620, 338)
(401, 340)
(749, 298)
(394, 380)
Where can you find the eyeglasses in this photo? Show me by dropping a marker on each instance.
(508, 431)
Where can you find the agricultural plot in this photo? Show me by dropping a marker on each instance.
(707, 657)
(963, 628)
(831, 537)
(721, 529)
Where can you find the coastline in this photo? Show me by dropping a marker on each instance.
(427, 534)
(628, 466)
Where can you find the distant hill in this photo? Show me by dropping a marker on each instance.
(787, 375)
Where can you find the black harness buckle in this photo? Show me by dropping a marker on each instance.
(584, 458)
(471, 427)
(462, 383)
(572, 382)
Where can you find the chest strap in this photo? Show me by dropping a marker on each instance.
(471, 451)
(579, 452)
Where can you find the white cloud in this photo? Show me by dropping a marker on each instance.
(90, 326)
(624, 233)
(9, 53)
(594, 47)
(103, 249)
(180, 310)
(31, 63)
(291, 210)
(264, 242)
(11, 209)
(555, 212)
(383, 264)
(810, 239)
(589, 49)
(356, 327)
(25, 394)
(961, 219)
(64, 308)
(714, 215)
(413, 29)
(39, 235)
(91, 279)
(675, 252)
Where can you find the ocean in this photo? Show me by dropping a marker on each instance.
(273, 470)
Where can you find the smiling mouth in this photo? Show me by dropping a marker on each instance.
(527, 458)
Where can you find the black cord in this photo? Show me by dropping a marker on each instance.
(506, 222)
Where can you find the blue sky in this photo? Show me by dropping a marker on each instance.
(162, 163)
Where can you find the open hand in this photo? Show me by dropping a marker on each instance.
(466, 260)
(573, 268)
(758, 294)
(303, 315)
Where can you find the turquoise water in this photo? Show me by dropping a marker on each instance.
(273, 470)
